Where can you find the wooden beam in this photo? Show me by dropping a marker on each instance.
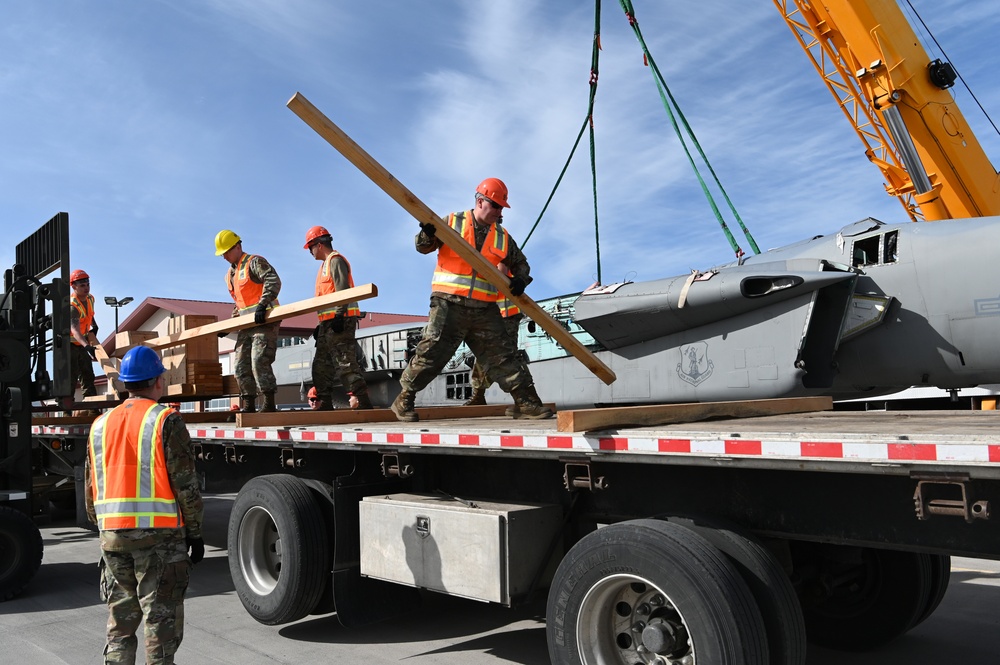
(280, 312)
(109, 365)
(404, 197)
(345, 416)
(585, 420)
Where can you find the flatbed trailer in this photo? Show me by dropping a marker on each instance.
(723, 541)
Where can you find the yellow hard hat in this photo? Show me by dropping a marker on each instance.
(225, 240)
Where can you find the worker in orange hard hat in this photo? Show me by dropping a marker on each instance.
(81, 324)
(254, 285)
(335, 356)
(464, 307)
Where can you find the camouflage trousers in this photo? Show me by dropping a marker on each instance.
(255, 350)
(150, 583)
(478, 379)
(482, 328)
(81, 368)
(337, 358)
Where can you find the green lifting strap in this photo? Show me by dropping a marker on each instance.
(670, 104)
(588, 121)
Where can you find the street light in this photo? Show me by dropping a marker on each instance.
(114, 302)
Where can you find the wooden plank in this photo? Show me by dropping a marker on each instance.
(279, 313)
(405, 198)
(344, 416)
(585, 420)
(129, 338)
(108, 365)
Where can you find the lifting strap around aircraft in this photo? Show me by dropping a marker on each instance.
(588, 121)
(670, 104)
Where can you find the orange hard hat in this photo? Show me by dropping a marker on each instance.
(312, 393)
(77, 275)
(313, 234)
(494, 190)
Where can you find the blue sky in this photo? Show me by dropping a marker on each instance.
(156, 124)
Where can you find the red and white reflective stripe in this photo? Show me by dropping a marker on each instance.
(864, 451)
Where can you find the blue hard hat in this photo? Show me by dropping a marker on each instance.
(140, 364)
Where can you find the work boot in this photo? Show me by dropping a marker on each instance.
(364, 401)
(528, 405)
(402, 406)
(268, 405)
(478, 397)
(513, 411)
(248, 403)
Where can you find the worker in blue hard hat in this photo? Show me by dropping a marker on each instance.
(143, 493)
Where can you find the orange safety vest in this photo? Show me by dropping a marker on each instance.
(245, 292)
(86, 311)
(131, 488)
(325, 285)
(454, 275)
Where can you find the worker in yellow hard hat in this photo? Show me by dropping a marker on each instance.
(464, 307)
(254, 285)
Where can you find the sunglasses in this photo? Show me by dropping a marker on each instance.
(82, 282)
(493, 204)
(313, 399)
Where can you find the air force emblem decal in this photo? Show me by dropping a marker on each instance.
(695, 366)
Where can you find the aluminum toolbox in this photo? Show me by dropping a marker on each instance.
(474, 549)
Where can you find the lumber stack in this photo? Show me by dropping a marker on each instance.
(193, 368)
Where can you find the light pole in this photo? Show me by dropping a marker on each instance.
(114, 302)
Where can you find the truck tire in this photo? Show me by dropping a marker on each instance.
(278, 550)
(862, 597)
(654, 585)
(20, 551)
(769, 583)
(940, 576)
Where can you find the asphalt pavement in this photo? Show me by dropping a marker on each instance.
(59, 619)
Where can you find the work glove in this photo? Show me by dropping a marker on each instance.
(337, 324)
(260, 314)
(428, 229)
(316, 332)
(93, 327)
(516, 286)
(196, 549)
(92, 352)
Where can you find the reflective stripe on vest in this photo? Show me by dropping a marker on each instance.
(325, 285)
(245, 292)
(128, 463)
(508, 307)
(454, 275)
(86, 311)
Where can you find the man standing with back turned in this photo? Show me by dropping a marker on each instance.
(253, 285)
(464, 307)
(142, 491)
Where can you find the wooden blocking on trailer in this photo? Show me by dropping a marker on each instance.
(195, 362)
(126, 340)
(230, 386)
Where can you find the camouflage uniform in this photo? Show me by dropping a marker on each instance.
(256, 347)
(81, 366)
(336, 353)
(145, 571)
(454, 319)
(512, 325)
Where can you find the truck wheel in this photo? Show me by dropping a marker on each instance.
(940, 576)
(648, 591)
(278, 552)
(860, 597)
(20, 551)
(769, 583)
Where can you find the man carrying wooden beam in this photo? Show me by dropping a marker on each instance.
(464, 307)
(336, 357)
(254, 285)
(81, 323)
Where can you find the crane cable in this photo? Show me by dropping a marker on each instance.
(670, 104)
(588, 121)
